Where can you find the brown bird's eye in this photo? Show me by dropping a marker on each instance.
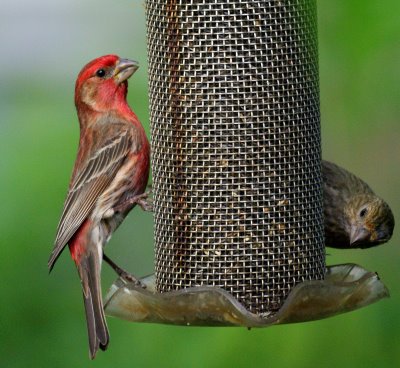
(363, 212)
(101, 73)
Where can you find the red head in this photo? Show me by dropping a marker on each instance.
(102, 84)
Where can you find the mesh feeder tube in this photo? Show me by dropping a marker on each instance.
(234, 107)
(236, 154)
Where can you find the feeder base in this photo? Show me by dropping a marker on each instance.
(345, 288)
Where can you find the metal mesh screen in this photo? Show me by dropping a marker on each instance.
(234, 103)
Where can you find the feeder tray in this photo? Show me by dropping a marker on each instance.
(236, 162)
(345, 288)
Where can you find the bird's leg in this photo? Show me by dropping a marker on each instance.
(122, 273)
(141, 199)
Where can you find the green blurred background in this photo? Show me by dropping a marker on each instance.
(44, 44)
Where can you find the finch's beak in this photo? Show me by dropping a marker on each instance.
(124, 69)
(359, 235)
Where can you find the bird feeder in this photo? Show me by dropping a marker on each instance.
(236, 160)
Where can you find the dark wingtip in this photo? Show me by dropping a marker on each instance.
(52, 261)
(54, 256)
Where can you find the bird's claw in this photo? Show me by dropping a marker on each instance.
(145, 205)
(132, 279)
(140, 199)
(144, 202)
(124, 275)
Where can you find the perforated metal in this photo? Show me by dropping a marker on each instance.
(234, 101)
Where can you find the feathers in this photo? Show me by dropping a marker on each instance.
(89, 272)
(355, 217)
(112, 164)
(89, 182)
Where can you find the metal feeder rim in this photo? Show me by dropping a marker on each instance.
(345, 288)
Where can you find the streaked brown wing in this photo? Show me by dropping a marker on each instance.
(90, 181)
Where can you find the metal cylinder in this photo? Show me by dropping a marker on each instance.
(234, 107)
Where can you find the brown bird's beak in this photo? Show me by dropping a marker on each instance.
(124, 70)
(359, 235)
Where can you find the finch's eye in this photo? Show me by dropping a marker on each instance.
(363, 212)
(101, 73)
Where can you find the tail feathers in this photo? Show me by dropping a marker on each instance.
(89, 271)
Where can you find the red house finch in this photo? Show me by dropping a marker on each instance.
(111, 170)
(354, 216)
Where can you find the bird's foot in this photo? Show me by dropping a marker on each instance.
(124, 274)
(142, 200)
(131, 279)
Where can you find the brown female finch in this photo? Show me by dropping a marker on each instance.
(110, 173)
(354, 216)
